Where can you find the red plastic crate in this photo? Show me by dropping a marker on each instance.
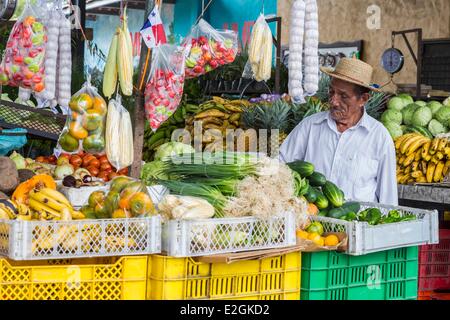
(434, 264)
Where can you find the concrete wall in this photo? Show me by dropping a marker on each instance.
(346, 20)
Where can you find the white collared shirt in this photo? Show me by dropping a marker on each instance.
(361, 160)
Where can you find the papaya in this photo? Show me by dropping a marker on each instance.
(141, 204)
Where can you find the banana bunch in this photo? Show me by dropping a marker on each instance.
(10, 210)
(422, 160)
(49, 204)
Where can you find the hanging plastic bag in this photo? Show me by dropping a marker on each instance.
(119, 135)
(259, 65)
(208, 49)
(164, 88)
(23, 59)
(85, 126)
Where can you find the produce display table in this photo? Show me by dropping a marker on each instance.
(427, 197)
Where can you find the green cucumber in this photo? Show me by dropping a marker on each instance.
(305, 169)
(317, 179)
(321, 201)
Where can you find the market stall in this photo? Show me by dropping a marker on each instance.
(184, 196)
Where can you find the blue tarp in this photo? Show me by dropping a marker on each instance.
(12, 142)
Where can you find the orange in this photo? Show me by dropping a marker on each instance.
(77, 131)
(120, 214)
(331, 240)
(302, 234)
(312, 209)
(99, 106)
(316, 238)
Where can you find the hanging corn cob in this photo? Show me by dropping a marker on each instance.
(119, 64)
(259, 64)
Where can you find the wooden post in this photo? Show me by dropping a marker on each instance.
(139, 113)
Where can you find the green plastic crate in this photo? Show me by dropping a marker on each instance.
(385, 275)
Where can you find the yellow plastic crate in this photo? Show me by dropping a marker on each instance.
(275, 278)
(81, 279)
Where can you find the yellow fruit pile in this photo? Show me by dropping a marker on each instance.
(327, 241)
(420, 159)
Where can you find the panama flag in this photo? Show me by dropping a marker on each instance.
(153, 30)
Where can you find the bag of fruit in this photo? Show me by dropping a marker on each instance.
(23, 60)
(208, 48)
(164, 88)
(85, 126)
(127, 198)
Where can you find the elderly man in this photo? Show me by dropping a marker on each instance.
(349, 147)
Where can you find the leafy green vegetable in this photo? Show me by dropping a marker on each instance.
(434, 106)
(443, 115)
(408, 113)
(422, 116)
(436, 127)
(391, 115)
(396, 103)
(394, 129)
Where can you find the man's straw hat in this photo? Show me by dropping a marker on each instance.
(354, 71)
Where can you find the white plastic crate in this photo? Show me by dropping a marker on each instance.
(364, 238)
(35, 240)
(190, 238)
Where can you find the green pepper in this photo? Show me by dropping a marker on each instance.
(394, 214)
(373, 216)
(351, 216)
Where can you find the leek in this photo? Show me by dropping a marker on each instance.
(210, 194)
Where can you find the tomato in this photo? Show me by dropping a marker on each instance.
(94, 163)
(123, 171)
(52, 158)
(103, 175)
(105, 166)
(76, 160)
(40, 159)
(65, 155)
(87, 159)
(112, 175)
(103, 160)
(93, 170)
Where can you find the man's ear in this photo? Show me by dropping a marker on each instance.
(365, 97)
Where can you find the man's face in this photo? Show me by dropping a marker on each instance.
(344, 101)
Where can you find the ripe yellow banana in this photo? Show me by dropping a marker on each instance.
(416, 145)
(409, 142)
(417, 174)
(442, 144)
(418, 155)
(421, 180)
(438, 172)
(439, 155)
(447, 151)
(425, 149)
(430, 171)
(398, 142)
(56, 195)
(48, 201)
(434, 146)
(39, 206)
(446, 167)
(4, 214)
(401, 160)
(409, 159)
(415, 165)
(424, 165)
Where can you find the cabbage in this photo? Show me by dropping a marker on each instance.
(446, 102)
(172, 149)
(406, 98)
(408, 113)
(434, 106)
(394, 129)
(62, 171)
(19, 160)
(396, 103)
(436, 127)
(422, 116)
(421, 103)
(443, 115)
(392, 115)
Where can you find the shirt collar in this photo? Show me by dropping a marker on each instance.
(363, 122)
